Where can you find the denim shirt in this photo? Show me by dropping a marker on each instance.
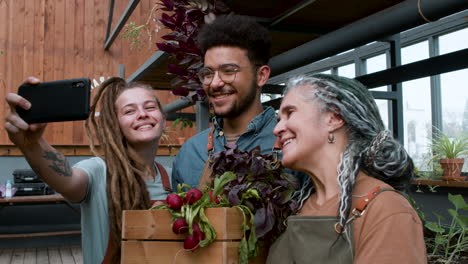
(190, 161)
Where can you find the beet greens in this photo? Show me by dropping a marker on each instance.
(261, 186)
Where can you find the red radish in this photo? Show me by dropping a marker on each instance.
(197, 232)
(180, 226)
(213, 199)
(191, 242)
(193, 195)
(174, 201)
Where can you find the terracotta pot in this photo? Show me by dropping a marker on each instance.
(181, 140)
(452, 169)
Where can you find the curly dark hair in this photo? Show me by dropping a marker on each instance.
(237, 31)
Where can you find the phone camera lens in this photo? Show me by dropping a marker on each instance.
(78, 85)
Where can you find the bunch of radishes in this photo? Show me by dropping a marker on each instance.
(187, 210)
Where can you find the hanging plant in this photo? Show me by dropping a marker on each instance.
(184, 18)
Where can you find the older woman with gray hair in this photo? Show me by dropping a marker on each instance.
(352, 210)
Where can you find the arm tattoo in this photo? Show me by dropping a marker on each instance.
(59, 163)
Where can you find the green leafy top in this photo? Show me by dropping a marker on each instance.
(182, 123)
(450, 148)
(261, 185)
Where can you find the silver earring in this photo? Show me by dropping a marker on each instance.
(331, 138)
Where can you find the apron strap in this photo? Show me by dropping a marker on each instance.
(164, 178)
(205, 178)
(109, 250)
(210, 143)
(361, 205)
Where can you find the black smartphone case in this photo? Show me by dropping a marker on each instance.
(56, 101)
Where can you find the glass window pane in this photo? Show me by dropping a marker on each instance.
(417, 119)
(383, 110)
(454, 41)
(416, 52)
(454, 90)
(381, 88)
(377, 63)
(347, 71)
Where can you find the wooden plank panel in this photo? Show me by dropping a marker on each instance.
(41, 24)
(28, 39)
(48, 60)
(18, 256)
(54, 255)
(66, 255)
(18, 26)
(39, 28)
(58, 133)
(77, 254)
(30, 256)
(79, 133)
(42, 256)
(156, 224)
(131, 55)
(88, 38)
(138, 252)
(3, 63)
(6, 255)
(101, 66)
(68, 62)
(11, 47)
(163, 150)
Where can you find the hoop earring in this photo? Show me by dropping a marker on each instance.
(331, 138)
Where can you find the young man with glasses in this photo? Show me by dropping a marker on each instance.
(236, 52)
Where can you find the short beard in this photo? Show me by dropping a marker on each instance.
(243, 103)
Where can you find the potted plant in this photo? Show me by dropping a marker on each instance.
(182, 123)
(450, 152)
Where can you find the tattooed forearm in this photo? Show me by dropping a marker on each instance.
(59, 163)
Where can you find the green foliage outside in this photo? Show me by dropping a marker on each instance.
(449, 243)
(182, 123)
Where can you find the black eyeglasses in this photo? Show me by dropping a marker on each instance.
(226, 72)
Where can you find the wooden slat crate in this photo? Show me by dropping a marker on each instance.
(147, 237)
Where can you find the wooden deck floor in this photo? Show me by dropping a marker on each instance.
(50, 255)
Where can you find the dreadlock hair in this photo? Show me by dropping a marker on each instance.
(125, 185)
(237, 31)
(370, 147)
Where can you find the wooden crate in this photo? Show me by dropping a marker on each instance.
(147, 237)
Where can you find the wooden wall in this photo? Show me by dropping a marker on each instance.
(62, 39)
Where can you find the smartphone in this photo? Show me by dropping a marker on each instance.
(56, 101)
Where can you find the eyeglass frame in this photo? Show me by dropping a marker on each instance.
(219, 70)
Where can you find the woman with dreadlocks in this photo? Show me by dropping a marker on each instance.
(126, 177)
(353, 210)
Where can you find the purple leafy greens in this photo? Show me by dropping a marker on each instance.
(184, 18)
(260, 185)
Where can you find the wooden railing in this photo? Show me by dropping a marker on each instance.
(163, 150)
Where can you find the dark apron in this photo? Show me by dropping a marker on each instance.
(312, 239)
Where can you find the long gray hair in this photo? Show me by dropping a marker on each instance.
(370, 147)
